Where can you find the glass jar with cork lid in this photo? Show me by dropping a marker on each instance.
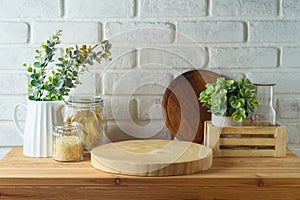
(86, 110)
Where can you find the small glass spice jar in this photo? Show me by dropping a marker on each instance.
(67, 144)
(87, 110)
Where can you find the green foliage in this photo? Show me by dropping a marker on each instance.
(74, 61)
(235, 98)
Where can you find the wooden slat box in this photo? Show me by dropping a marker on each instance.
(246, 140)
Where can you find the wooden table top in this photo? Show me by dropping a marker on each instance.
(228, 178)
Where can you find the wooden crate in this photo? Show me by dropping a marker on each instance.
(246, 140)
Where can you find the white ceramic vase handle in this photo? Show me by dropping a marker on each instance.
(15, 118)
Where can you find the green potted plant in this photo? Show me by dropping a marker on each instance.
(48, 88)
(233, 99)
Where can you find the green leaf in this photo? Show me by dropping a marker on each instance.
(31, 97)
(34, 76)
(239, 115)
(29, 69)
(37, 64)
(59, 65)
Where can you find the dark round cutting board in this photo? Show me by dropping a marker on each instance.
(184, 116)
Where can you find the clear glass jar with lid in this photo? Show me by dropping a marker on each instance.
(86, 110)
(67, 145)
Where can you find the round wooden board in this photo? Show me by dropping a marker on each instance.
(184, 116)
(152, 157)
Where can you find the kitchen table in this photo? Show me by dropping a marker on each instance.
(231, 178)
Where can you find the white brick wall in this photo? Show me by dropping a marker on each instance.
(211, 31)
(153, 41)
(13, 32)
(255, 8)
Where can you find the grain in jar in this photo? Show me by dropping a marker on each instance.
(87, 110)
(67, 142)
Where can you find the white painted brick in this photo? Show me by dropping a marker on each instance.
(274, 31)
(73, 32)
(295, 148)
(286, 82)
(120, 108)
(88, 83)
(30, 8)
(128, 130)
(99, 8)
(123, 58)
(13, 58)
(211, 31)
(290, 57)
(140, 32)
(136, 82)
(232, 73)
(13, 32)
(289, 107)
(293, 132)
(149, 108)
(244, 8)
(7, 104)
(173, 57)
(173, 8)
(114, 133)
(243, 57)
(291, 8)
(15, 83)
(9, 135)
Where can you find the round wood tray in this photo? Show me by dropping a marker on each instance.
(152, 157)
(184, 116)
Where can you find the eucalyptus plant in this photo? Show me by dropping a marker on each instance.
(234, 98)
(74, 61)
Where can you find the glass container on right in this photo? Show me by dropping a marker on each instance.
(265, 114)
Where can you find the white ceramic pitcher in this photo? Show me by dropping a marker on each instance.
(37, 134)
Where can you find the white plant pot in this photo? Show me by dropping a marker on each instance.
(221, 121)
(37, 134)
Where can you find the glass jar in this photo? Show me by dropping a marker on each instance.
(87, 110)
(67, 145)
(265, 114)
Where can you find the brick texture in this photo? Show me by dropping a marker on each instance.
(127, 83)
(291, 8)
(211, 31)
(286, 82)
(177, 57)
(153, 42)
(13, 33)
(289, 107)
(140, 32)
(99, 8)
(73, 32)
(13, 83)
(14, 57)
(255, 8)
(274, 31)
(243, 57)
(173, 8)
(290, 57)
(30, 8)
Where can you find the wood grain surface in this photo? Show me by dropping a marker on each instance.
(152, 157)
(184, 116)
(228, 179)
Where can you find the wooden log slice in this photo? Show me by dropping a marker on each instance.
(152, 157)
